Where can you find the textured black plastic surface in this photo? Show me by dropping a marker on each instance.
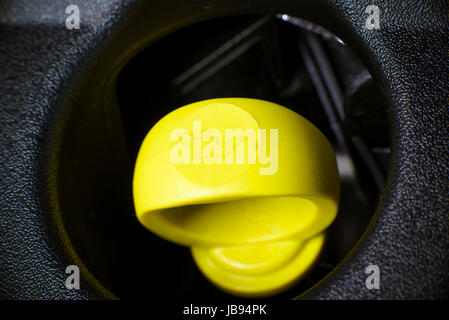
(42, 65)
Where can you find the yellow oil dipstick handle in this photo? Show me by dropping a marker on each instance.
(248, 185)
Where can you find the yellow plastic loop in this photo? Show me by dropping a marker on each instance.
(249, 185)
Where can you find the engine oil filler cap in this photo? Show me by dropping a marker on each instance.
(250, 186)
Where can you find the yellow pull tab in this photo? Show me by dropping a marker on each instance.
(249, 185)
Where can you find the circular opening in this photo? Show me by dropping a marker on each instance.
(271, 58)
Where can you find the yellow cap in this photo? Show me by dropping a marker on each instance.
(249, 185)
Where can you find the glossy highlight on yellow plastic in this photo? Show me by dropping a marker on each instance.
(254, 227)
